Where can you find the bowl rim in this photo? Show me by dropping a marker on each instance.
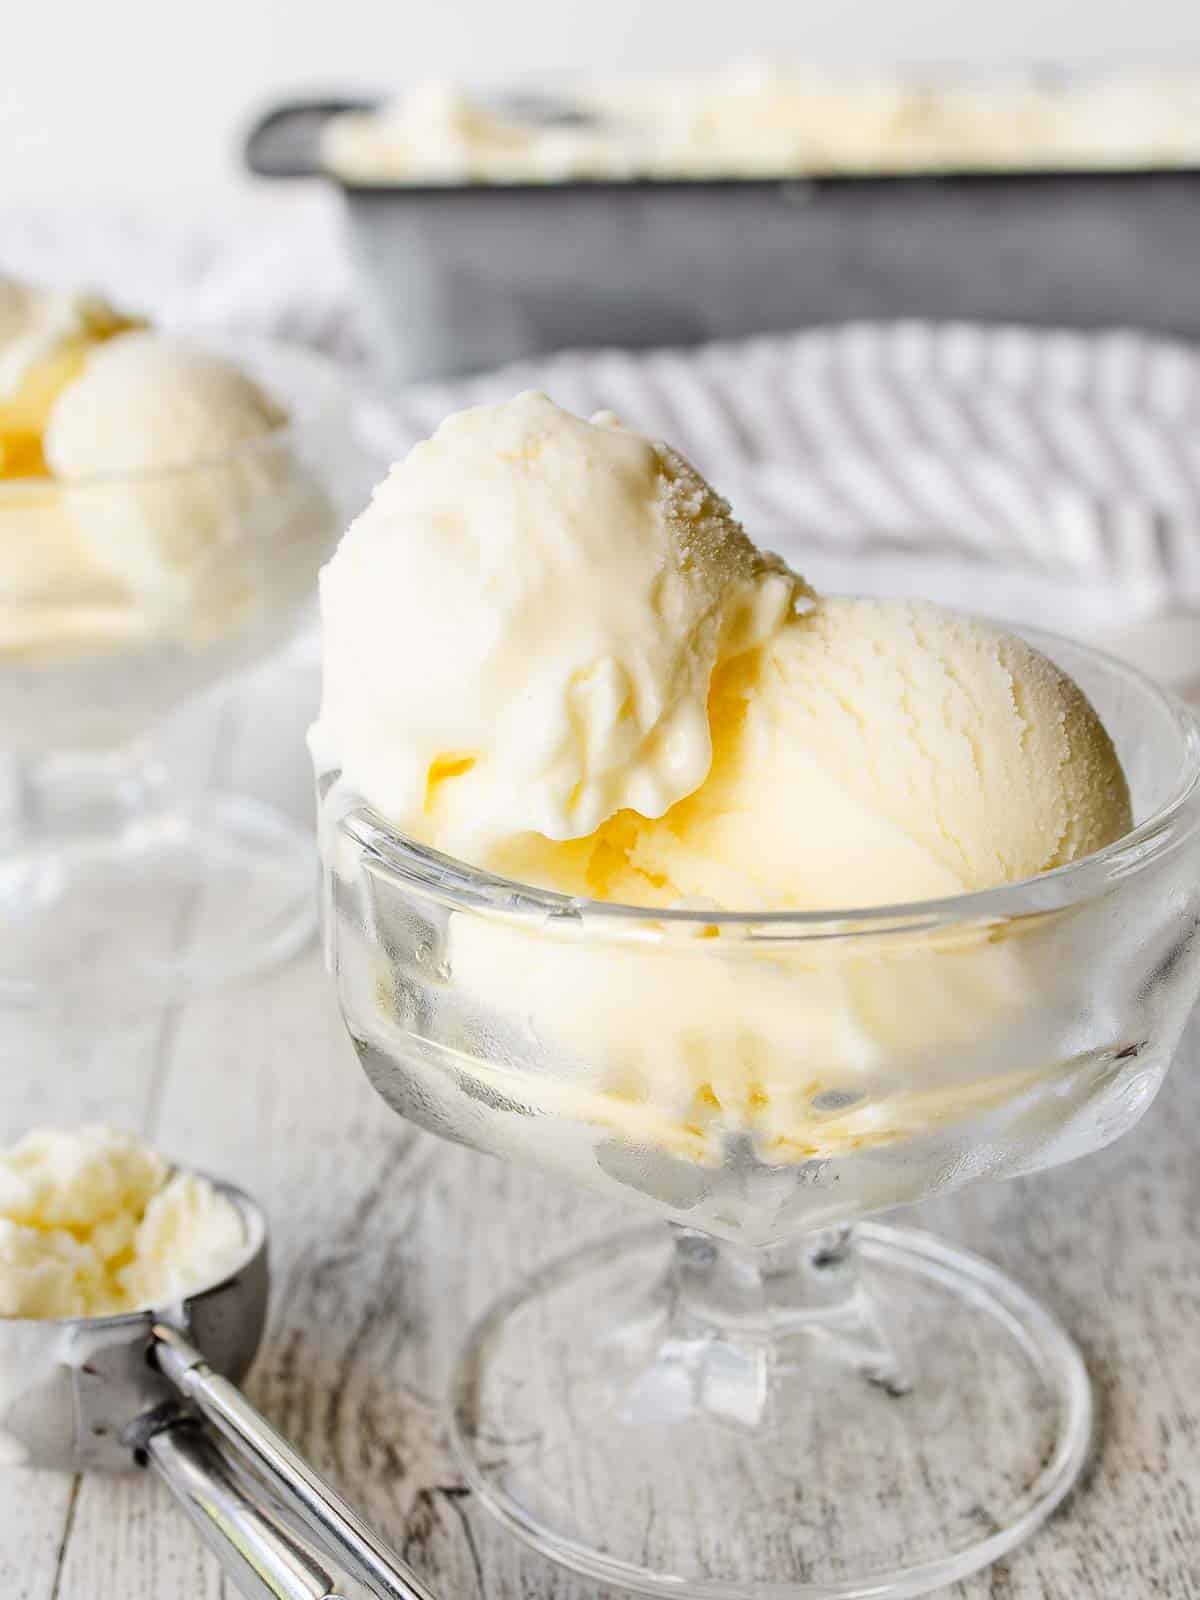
(464, 887)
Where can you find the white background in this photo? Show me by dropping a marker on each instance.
(141, 101)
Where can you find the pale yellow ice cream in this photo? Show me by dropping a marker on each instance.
(52, 595)
(439, 132)
(45, 338)
(854, 754)
(549, 649)
(521, 629)
(684, 1040)
(146, 402)
(138, 475)
(870, 752)
(155, 443)
(762, 120)
(94, 1223)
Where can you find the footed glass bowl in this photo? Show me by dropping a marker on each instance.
(120, 598)
(766, 1398)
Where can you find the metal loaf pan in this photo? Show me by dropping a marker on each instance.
(460, 278)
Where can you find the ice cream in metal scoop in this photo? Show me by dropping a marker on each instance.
(155, 1386)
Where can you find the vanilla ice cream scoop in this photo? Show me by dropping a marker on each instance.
(550, 650)
(171, 464)
(45, 338)
(150, 471)
(145, 402)
(94, 1223)
(870, 752)
(521, 630)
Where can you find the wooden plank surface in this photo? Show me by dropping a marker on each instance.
(386, 1243)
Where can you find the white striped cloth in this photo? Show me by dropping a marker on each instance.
(1019, 470)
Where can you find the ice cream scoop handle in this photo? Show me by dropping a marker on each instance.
(262, 1557)
(335, 1526)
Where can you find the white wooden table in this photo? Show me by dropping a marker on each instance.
(385, 1243)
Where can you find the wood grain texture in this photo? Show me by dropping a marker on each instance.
(385, 1244)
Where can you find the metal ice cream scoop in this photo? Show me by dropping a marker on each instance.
(158, 1389)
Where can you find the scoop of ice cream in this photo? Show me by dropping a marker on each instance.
(45, 338)
(92, 1223)
(869, 752)
(146, 402)
(521, 630)
(157, 443)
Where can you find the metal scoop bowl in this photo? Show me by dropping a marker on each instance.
(158, 1389)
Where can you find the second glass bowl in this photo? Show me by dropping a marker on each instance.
(113, 890)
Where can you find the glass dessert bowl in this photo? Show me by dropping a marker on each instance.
(208, 566)
(765, 1397)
